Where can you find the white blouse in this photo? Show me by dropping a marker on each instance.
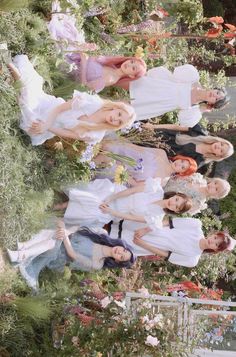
(161, 91)
(182, 241)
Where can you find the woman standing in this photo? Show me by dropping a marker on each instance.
(183, 244)
(101, 201)
(151, 162)
(161, 91)
(199, 189)
(193, 142)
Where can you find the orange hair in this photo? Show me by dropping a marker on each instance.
(192, 165)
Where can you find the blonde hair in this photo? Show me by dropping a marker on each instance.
(225, 187)
(183, 139)
(107, 106)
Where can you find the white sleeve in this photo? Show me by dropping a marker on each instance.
(86, 103)
(160, 72)
(190, 117)
(183, 260)
(153, 221)
(93, 137)
(153, 185)
(186, 73)
(186, 223)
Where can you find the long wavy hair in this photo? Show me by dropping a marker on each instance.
(117, 61)
(186, 206)
(224, 245)
(183, 139)
(107, 106)
(104, 239)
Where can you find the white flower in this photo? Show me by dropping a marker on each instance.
(145, 319)
(121, 304)
(73, 3)
(158, 318)
(105, 302)
(153, 341)
(144, 291)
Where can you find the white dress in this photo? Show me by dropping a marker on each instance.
(161, 91)
(36, 105)
(84, 201)
(182, 241)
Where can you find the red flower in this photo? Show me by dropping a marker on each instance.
(214, 32)
(216, 20)
(229, 34)
(232, 28)
(161, 12)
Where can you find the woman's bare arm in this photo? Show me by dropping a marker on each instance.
(150, 248)
(69, 134)
(124, 193)
(166, 126)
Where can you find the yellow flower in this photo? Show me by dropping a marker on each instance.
(121, 175)
(139, 52)
(99, 354)
(58, 146)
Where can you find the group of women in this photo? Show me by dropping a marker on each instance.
(140, 218)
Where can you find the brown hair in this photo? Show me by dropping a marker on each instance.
(224, 245)
(185, 207)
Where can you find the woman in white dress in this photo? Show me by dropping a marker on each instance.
(85, 117)
(183, 244)
(161, 91)
(101, 201)
(199, 189)
(151, 162)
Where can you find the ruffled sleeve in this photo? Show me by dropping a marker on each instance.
(93, 137)
(186, 223)
(190, 117)
(154, 221)
(153, 185)
(160, 73)
(85, 103)
(186, 73)
(183, 260)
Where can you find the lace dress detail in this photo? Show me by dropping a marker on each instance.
(187, 186)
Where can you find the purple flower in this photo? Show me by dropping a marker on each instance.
(92, 165)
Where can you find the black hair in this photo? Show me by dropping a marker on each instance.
(104, 239)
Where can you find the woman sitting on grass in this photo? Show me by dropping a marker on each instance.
(82, 249)
(86, 117)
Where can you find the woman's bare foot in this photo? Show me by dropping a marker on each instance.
(60, 206)
(14, 71)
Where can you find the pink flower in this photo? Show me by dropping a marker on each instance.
(216, 20)
(153, 341)
(105, 302)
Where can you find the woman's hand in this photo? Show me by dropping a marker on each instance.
(139, 233)
(105, 208)
(148, 126)
(137, 240)
(60, 231)
(38, 127)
